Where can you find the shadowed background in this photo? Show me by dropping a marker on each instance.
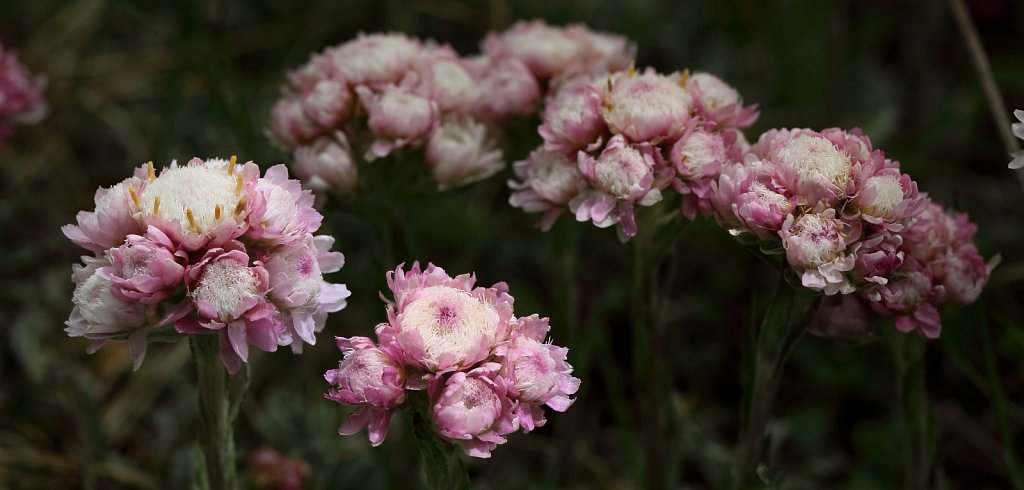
(132, 81)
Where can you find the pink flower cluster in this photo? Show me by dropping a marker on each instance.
(21, 94)
(617, 141)
(487, 372)
(272, 471)
(210, 247)
(848, 221)
(380, 93)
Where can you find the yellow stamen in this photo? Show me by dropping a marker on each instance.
(156, 205)
(240, 207)
(238, 184)
(685, 77)
(191, 219)
(216, 213)
(632, 68)
(231, 165)
(135, 196)
(150, 170)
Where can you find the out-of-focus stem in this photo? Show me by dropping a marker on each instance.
(1000, 114)
(216, 437)
(784, 324)
(908, 359)
(998, 397)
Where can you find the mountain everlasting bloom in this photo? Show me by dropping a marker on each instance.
(327, 164)
(550, 51)
(572, 116)
(622, 176)
(507, 89)
(371, 379)
(697, 158)
(290, 125)
(398, 117)
(21, 94)
(647, 107)
(486, 372)
(210, 247)
(374, 58)
(474, 409)
(748, 198)
(815, 245)
(1018, 131)
(718, 102)
(548, 181)
(460, 151)
(327, 102)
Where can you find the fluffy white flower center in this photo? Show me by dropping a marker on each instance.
(554, 178)
(819, 238)
(638, 104)
(885, 192)
(699, 151)
(449, 320)
(767, 197)
(198, 197)
(91, 297)
(715, 93)
(114, 196)
(225, 284)
(452, 83)
(812, 155)
(535, 374)
(619, 170)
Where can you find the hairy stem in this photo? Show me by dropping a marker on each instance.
(216, 438)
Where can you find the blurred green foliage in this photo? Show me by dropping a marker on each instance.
(135, 80)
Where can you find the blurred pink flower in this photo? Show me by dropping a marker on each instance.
(473, 409)
(290, 125)
(461, 151)
(397, 117)
(572, 116)
(327, 163)
(374, 58)
(551, 51)
(718, 102)
(21, 94)
(507, 89)
(327, 102)
(272, 471)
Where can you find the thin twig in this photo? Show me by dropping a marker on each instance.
(1000, 114)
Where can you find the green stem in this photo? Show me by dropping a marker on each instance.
(216, 438)
(441, 462)
(784, 324)
(908, 358)
(998, 397)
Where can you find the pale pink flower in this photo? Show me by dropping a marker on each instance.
(815, 247)
(878, 257)
(100, 314)
(145, 268)
(461, 151)
(548, 181)
(748, 198)
(572, 116)
(21, 94)
(201, 204)
(812, 167)
(298, 289)
(327, 163)
(889, 199)
(697, 157)
(648, 107)
(507, 89)
(445, 79)
(1018, 131)
(910, 297)
(370, 378)
(842, 317)
(622, 176)
(443, 323)
(229, 295)
(473, 409)
(327, 103)
(606, 52)
(110, 221)
(398, 117)
(545, 50)
(287, 214)
(290, 125)
(374, 58)
(718, 102)
(539, 375)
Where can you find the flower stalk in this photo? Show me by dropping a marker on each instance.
(216, 414)
(441, 463)
(784, 324)
(908, 360)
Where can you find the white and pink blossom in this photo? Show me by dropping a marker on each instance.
(367, 377)
(547, 182)
(461, 151)
(474, 409)
(647, 107)
(327, 164)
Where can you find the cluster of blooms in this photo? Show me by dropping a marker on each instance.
(487, 372)
(21, 94)
(616, 141)
(210, 247)
(272, 471)
(848, 221)
(383, 92)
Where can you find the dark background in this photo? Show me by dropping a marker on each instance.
(132, 81)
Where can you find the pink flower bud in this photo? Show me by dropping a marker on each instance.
(374, 58)
(461, 151)
(327, 103)
(327, 164)
(718, 102)
(287, 214)
(547, 182)
(397, 117)
(146, 267)
(648, 107)
(815, 247)
(541, 376)
(369, 378)
(290, 125)
(473, 409)
(507, 89)
(572, 117)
